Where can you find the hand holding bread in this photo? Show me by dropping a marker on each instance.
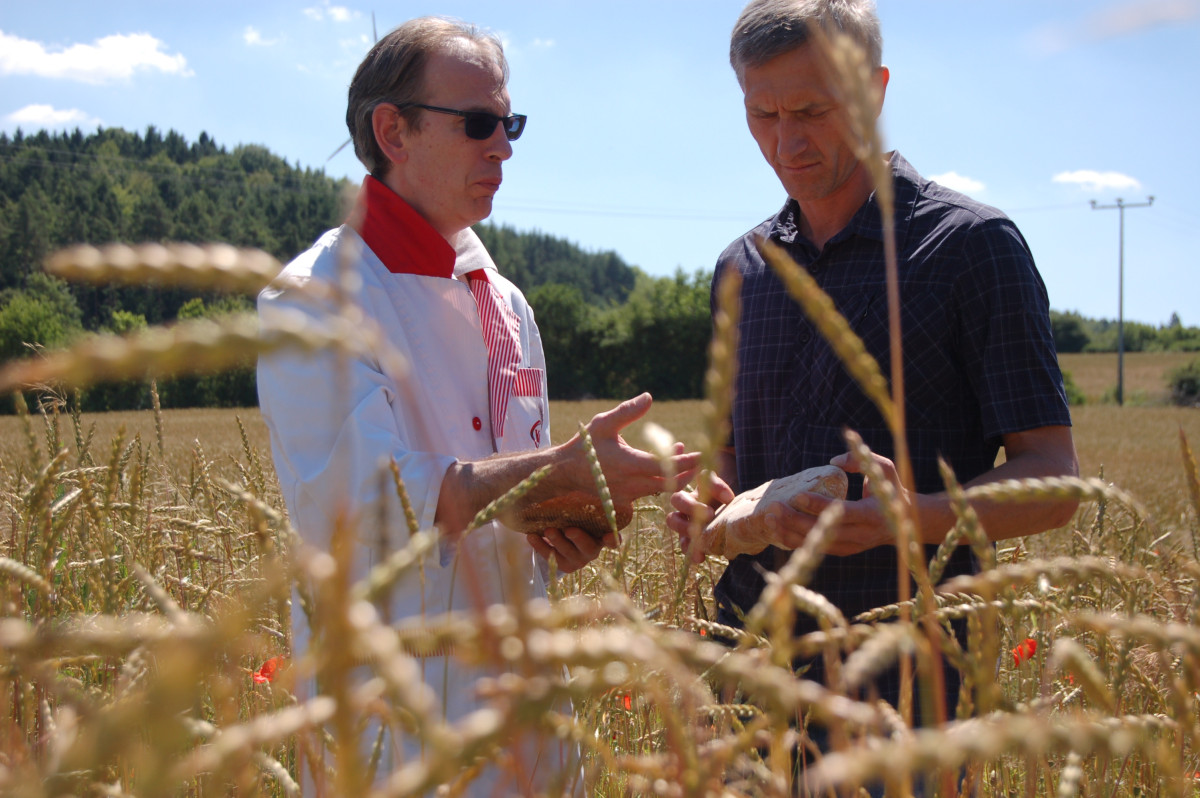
(740, 526)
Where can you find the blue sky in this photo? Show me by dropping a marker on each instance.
(636, 139)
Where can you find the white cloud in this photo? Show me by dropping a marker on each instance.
(1122, 19)
(1131, 17)
(957, 182)
(1097, 181)
(253, 38)
(547, 43)
(46, 116)
(335, 13)
(108, 59)
(356, 44)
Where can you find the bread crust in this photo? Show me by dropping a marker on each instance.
(740, 526)
(573, 509)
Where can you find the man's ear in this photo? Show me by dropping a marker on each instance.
(390, 129)
(882, 75)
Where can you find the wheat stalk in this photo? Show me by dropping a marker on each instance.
(210, 267)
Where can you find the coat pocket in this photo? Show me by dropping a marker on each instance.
(524, 428)
(528, 382)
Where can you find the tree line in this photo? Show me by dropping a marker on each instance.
(606, 324)
(1075, 333)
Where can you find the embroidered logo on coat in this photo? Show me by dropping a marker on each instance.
(535, 433)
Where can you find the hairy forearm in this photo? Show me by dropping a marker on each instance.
(468, 487)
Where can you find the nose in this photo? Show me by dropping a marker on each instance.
(793, 138)
(498, 146)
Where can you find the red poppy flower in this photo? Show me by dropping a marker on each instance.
(628, 699)
(1024, 650)
(268, 670)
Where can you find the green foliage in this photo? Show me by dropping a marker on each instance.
(42, 313)
(27, 322)
(656, 341)
(534, 259)
(1070, 334)
(126, 394)
(567, 326)
(234, 387)
(123, 322)
(1075, 395)
(58, 189)
(1185, 384)
(659, 339)
(1074, 333)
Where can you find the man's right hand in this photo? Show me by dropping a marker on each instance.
(630, 473)
(690, 516)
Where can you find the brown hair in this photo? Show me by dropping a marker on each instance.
(769, 28)
(394, 72)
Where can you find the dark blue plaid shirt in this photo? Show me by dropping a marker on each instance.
(979, 362)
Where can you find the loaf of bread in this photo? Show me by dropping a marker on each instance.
(739, 527)
(576, 508)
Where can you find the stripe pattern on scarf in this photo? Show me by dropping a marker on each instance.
(502, 335)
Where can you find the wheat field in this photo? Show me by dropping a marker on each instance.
(137, 574)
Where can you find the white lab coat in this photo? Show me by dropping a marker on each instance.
(336, 422)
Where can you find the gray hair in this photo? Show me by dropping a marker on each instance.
(394, 72)
(770, 28)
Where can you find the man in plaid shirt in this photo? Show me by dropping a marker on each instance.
(980, 368)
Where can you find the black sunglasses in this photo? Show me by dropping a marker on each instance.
(479, 124)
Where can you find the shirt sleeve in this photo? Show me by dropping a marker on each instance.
(1007, 341)
(334, 433)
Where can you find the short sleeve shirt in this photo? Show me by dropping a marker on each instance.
(979, 362)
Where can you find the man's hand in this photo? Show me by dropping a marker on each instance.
(630, 473)
(570, 548)
(862, 525)
(468, 486)
(690, 515)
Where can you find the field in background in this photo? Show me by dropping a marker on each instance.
(1145, 374)
(1134, 447)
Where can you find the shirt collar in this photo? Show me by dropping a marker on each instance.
(398, 235)
(866, 221)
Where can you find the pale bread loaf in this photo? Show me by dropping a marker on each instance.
(739, 527)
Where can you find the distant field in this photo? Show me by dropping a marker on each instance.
(682, 419)
(1137, 448)
(1145, 374)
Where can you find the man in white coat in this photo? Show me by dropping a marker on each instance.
(467, 420)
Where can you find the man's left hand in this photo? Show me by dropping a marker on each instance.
(571, 548)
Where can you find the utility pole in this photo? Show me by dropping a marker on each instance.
(1121, 206)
